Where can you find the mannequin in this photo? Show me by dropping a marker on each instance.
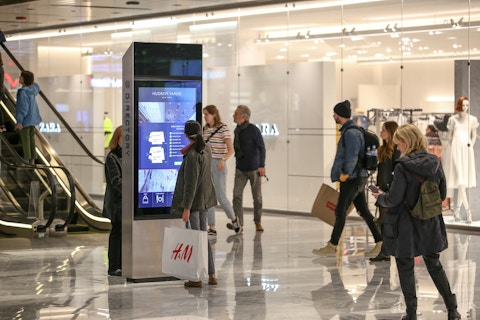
(462, 129)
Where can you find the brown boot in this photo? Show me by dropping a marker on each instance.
(259, 227)
(193, 284)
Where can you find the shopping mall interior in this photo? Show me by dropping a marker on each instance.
(407, 61)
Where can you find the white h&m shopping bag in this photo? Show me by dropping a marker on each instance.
(185, 254)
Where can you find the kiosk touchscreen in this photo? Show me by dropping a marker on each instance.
(163, 107)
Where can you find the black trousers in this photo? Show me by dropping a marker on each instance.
(353, 190)
(406, 274)
(115, 247)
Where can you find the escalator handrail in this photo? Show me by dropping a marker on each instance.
(52, 108)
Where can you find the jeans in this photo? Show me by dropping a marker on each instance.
(220, 182)
(241, 178)
(198, 221)
(27, 135)
(115, 247)
(353, 190)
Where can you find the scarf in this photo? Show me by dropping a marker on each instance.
(185, 149)
(236, 140)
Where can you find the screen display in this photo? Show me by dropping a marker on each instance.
(162, 110)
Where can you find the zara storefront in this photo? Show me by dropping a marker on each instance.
(405, 60)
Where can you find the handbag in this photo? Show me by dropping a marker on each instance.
(185, 254)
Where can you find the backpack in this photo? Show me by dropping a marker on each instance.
(369, 159)
(429, 203)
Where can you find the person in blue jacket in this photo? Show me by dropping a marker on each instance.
(27, 114)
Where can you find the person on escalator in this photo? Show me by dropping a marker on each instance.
(27, 114)
(112, 205)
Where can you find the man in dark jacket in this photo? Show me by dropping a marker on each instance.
(352, 178)
(250, 165)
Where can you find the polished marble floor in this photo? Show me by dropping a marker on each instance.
(270, 275)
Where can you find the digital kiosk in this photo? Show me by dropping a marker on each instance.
(162, 89)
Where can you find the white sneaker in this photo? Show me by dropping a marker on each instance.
(235, 226)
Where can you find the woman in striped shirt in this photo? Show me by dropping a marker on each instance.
(217, 135)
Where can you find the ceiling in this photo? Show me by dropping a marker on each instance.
(22, 16)
(320, 30)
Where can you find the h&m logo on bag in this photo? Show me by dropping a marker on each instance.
(182, 252)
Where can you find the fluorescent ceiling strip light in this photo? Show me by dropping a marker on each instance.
(191, 18)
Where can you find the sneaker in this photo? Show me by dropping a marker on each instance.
(376, 250)
(454, 315)
(117, 273)
(212, 280)
(193, 284)
(329, 250)
(212, 233)
(259, 227)
(235, 226)
(3, 129)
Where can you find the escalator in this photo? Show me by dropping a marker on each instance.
(44, 199)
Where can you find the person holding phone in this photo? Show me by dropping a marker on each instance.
(406, 237)
(387, 155)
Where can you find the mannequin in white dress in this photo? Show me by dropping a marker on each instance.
(462, 128)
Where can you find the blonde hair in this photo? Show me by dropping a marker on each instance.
(412, 137)
(117, 134)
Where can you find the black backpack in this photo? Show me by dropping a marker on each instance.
(369, 160)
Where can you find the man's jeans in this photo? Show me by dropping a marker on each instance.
(353, 190)
(241, 178)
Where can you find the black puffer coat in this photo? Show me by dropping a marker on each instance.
(112, 203)
(403, 235)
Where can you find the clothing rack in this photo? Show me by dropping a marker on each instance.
(377, 116)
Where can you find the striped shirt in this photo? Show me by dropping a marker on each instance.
(217, 141)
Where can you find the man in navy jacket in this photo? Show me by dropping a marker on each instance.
(250, 165)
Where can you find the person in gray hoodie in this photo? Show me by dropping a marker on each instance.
(27, 114)
(406, 237)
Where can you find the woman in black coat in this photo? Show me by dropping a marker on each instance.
(406, 237)
(112, 205)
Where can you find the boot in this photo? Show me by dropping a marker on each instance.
(411, 313)
(451, 303)
(456, 215)
(469, 216)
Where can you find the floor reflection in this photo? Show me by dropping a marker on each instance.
(269, 275)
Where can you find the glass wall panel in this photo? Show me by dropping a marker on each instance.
(290, 63)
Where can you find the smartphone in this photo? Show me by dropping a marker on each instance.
(373, 188)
